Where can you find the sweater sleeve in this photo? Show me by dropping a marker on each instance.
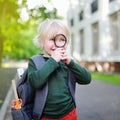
(81, 74)
(38, 77)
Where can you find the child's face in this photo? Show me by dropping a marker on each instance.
(49, 45)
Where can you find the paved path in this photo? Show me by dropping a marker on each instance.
(96, 101)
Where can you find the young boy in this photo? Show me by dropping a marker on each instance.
(52, 79)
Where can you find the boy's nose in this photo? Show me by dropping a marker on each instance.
(54, 46)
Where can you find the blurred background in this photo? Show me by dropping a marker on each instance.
(94, 27)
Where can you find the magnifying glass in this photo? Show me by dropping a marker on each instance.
(60, 40)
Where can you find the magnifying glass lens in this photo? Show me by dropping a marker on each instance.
(60, 40)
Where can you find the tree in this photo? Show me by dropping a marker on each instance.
(16, 35)
(9, 16)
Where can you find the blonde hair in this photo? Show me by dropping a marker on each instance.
(49, 28)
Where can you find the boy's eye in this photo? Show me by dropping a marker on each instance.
(51, 39)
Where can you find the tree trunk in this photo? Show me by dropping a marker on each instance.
(1, 51)
(2, 14)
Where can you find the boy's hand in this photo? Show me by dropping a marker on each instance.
(66, 58)
(58, 54)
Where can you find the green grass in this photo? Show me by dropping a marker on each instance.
(111, 78)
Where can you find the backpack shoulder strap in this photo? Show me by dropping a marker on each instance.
(71, 83)
(41, 94)
(38, 60)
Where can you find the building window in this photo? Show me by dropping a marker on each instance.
(72, 44)
(94, 6)
(82, 41)
(111, 0)
(115, 31)
(95, 38)
(81, 15)
(71, 22)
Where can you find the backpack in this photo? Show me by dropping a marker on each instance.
(26, 93)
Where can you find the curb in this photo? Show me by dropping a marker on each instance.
(5, 104)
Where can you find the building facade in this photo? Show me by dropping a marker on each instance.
(95, 33)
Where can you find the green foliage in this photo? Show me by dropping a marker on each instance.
(8, 16)
(22, 46)
(16, 35)
(41, 13)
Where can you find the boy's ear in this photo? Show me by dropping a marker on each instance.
(42, 45)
